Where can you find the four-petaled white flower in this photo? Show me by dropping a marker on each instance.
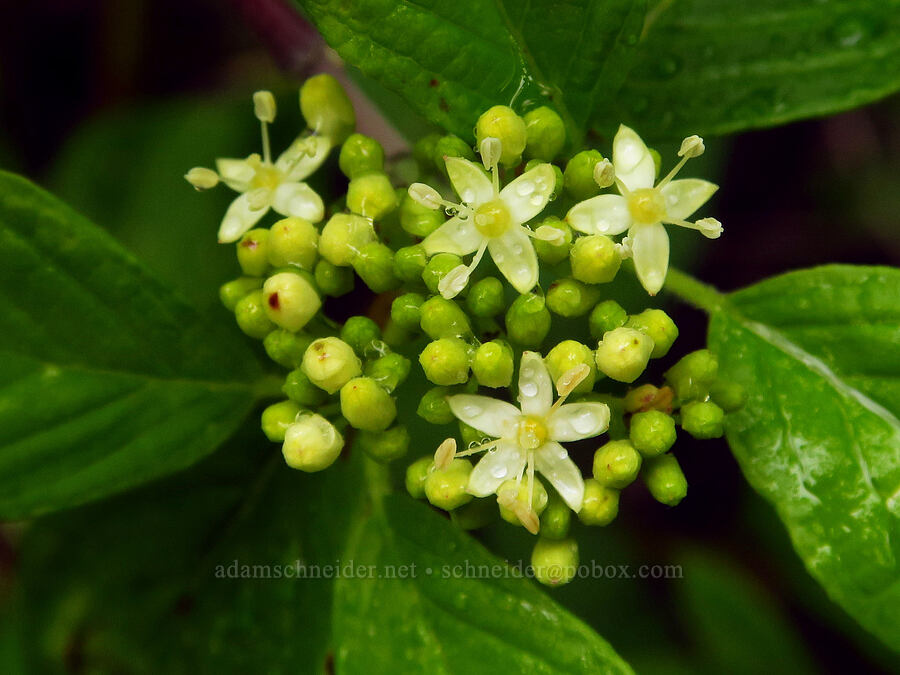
(489, 219)
(528, 438)
(642, 208)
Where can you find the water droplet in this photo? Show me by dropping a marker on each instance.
(850, 31)
(584, 422)
(499, 257)
(561, 453)
(499, 471)
(472, 410)
(536, 200)
(517, 249)
(468, 195)
(529, 389)
(524, 188)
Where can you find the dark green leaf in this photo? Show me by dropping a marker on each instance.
(451, 61)
(107, 379)
(442, 614)
(714, 66)
(819, 437)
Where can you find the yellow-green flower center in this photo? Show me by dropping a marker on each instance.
(532, 432)
(492, 218)
(647, 206)
(266, 176)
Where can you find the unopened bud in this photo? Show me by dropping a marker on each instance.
(311, 443)
(571, 365)
(512, 497)
(623, 354)
(330, 363)
(554, 561)
(290, 300)
(616, 464)
(446, 488)
(600, 505)
(366, 405)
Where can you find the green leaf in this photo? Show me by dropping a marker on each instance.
(424, 612)
(819, 436)
(107, 379)
(451, 61)
(716, 66)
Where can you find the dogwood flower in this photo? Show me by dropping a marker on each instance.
(489, 219)
(527, 438)
(264, 184)
(642, 208)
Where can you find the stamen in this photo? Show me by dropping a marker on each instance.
(624, 248)
(426, 195)
(491, 149)
(445, 454)
(527, 517)
(202, 178)
(604, 173)
(548, 233)
(692, 146)
(569, 380)
(708, 227)
(456, 279)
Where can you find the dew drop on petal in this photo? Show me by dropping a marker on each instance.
(499, 471)
(584, 422)
(468, 195)
(529, 389)
(472, 410)
(537, 200)
(525, 188)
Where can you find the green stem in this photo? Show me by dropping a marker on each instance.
(694, 292)
(378, 481)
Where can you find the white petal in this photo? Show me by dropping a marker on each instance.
(497, 466)
(469, 181)
(685, 196)
(554, 463)
(535, 386)
(604, 214)
(235, 173)
(514, 256)
(238, 219)
(455, 236)
(575, 421)
(489, 415)
(300, 200)
(528, 194)
(632, 160)
(650, 250)
(296, 164)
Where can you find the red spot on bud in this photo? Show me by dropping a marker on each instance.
(250, 243)
(273, 301)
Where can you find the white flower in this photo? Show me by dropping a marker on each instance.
(489, 219)
(528, 438)
(642, 208)
(264, 184)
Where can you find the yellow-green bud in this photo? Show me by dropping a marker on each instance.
(299, 389)
(385, 446)
(657, 324)
(276, 419)
(434, 408)
(551, 253)
(556, 519)
(528, 320)
(595, 259)
(600, 505)
(569, 354)
(437, 268)
(232, 292)
(446, 361)
(486, 298)
(570, 298)
(493, 364)
(293, 241)
(389, 371)
(361, 333)
(291, 301)
(330, 363)
(286, 348)
(375, 266)
(652, 432)
(252, 252)
(520, 491)
(693, 375)
(665, 479)
(416, 473)
(443, 318)
(311, 443)
(450, 146)
(729, 396)
(446, 488)
(579, 175)
(606, 316)
(360, 154)
(554, 561)
(326, 108)
(343, 236)
(703, 419)
(371, 195)
(251, 315)
(406, 311)
(409, 263)
(545, 132)
(623, 354)
(333, 280)
(366, 405)
(417, 219)
(503, 123)
(616, 464)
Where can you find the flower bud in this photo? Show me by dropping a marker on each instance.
(693, 375)
(406, 311)
(595, 259)
(291, 301)
(513, 494)
(343, 236)
(423, 151)
(652, 432)
(486, 298)
(554, 253)
(600, 505)
(446, 488)
(616, 464)
(385, 446)
(276, 419)
(366, 405)
(326, 108)
(450, 146)
(360, 332)
(556, 519)
(437, 267)
(416, 473)
(665, 479)
(444, 318)
(657, 324)
(579, 175)
(371, 195)
(286, 348)
(409, 263)
(434, 408)
(569, 354)
(554, 561)
(311, 443)
(264, 107)
(333, 280)
(471, 435)
(202, 178)
(545, 133)
(528, 321)
(606, 316)
(252, 252)
(493, 364)
(360, 154)
(375, 266)
(299, 389)
(251, 315)
(418, 219)
(729, 396)
(389, 371)
(446, 361)
(703, 419)
(330, 363)
(570, 298)
(501, 122)
(293, 241)
(233, 291)
(623, 354)
(647, 397)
